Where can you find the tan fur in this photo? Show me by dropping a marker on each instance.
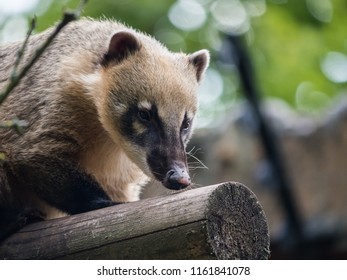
(67, 92)
(120, 178)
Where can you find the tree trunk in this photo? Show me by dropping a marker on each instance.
(222, 221)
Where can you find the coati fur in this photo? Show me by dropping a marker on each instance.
(108, 107)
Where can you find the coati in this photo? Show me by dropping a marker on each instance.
(107, 108)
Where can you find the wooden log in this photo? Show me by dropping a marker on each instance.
(222, 221)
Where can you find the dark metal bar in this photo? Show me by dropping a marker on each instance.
(269, 141)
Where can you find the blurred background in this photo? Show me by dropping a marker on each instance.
(273, 104)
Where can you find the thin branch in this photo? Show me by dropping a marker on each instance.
(21, 51)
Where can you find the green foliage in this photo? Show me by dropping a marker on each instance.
(142, 15)
(289, 46)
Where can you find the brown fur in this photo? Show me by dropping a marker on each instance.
(66, 99)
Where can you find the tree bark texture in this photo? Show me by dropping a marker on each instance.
(223, 221)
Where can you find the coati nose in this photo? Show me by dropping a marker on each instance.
(177, 179)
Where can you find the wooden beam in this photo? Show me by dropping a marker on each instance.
(223, 221)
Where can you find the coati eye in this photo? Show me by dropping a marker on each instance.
(185, 124)
(144, 115)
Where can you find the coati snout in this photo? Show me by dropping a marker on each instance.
(170, 167)
(177, 178)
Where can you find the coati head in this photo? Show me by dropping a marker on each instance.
(149, 103)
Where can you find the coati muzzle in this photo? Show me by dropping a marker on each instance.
(177, 178)
(173, 174)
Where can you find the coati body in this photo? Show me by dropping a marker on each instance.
(107, 107)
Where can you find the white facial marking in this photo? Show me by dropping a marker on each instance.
(120, 108)
(190, 115)
(144, 105)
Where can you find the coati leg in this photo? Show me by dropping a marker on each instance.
(60, 183)
(55, 181)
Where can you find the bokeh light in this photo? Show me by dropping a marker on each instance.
(13, 7)
(230, 16)
(322, 10)
(334, 67)
(187, 15)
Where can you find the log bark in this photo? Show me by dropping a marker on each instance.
(223, 221)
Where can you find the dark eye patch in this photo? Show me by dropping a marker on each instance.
(154, 130)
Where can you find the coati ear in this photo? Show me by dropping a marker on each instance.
(122, 44)
(200, 61)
